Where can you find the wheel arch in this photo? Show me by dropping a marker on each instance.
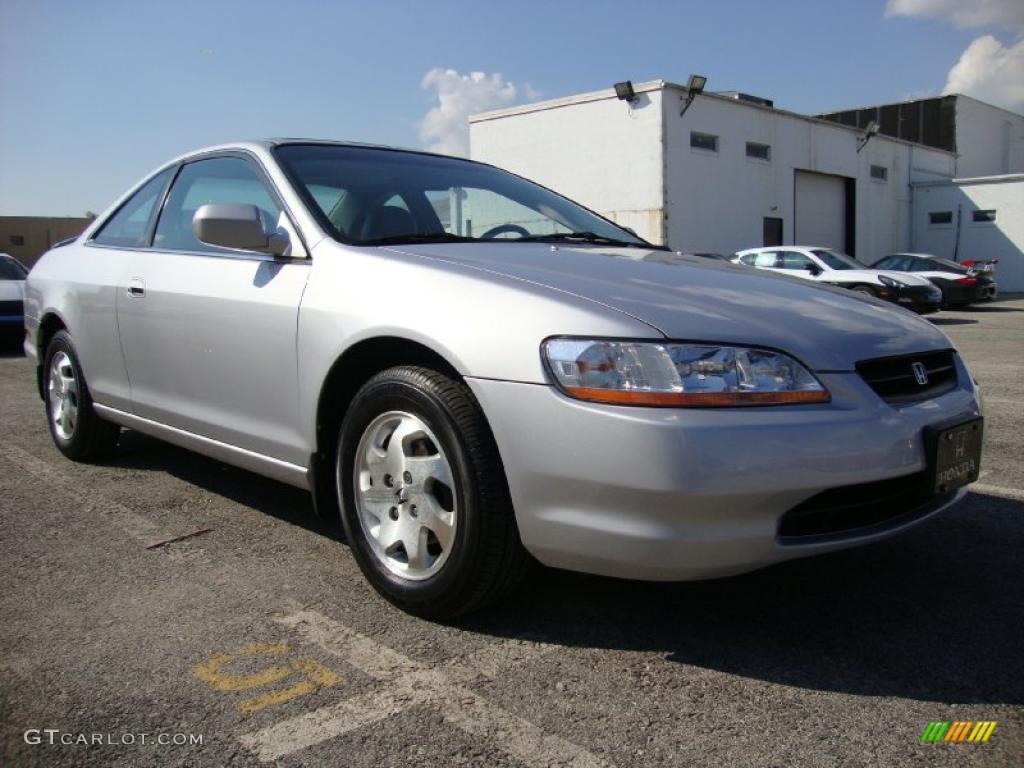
(50, 323)
(353, 368)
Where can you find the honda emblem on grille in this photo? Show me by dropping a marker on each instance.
(920, 373)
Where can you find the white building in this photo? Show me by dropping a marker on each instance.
(726, 174)
(980, 218)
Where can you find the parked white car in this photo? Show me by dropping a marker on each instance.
(827, 266)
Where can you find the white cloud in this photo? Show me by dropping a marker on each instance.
(990, 71)
(962, 13)
(444, 128)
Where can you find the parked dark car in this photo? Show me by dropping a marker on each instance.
(12, 289)
(960, 284)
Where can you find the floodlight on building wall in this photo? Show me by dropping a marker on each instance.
(869, 131)
(624, 91)
(694, 88)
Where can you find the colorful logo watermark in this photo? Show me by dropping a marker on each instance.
(958, 730)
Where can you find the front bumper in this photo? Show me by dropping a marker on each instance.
(923, 299)
(677, 494)
(968, 294)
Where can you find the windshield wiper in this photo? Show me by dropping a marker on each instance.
(586, 237)
(432, 237)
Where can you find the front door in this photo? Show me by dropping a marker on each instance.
(209, 333)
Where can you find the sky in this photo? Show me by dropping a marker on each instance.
(96, 94)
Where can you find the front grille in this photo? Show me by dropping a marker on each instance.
(14, 307)
(895, 381)
(856, 509)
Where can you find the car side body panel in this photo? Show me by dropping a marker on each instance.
(79, 285)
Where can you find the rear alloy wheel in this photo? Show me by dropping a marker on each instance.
(76, 430)
(864, 289)
(424, 499)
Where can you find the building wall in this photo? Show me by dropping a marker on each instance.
(634, 164)
(989, 140)
(601, 152)
(38, 234)
(718, 200)
(1002, 239)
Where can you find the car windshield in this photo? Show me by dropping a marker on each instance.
(370, 196)
(834, 260)
(11, 270)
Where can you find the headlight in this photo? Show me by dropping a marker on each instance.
(655, 373)
(892, 282)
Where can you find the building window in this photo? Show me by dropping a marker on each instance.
(17, 239)
(879, 173)
(759, 151)
(704, 141)
(940, 217)
(988, 215)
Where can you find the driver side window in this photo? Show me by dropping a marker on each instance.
(217, 180)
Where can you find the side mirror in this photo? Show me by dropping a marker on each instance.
(814, 269)
(237, 226)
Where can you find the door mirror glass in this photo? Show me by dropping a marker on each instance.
(238, 226)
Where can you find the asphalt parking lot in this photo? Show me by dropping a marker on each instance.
(261, 636)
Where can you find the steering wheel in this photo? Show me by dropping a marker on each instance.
(501, 229)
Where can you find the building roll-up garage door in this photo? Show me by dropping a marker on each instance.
(820, 210)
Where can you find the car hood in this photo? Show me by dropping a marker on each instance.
(12, 290)
(690, 298)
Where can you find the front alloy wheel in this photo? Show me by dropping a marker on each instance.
(423, 496)
(404, 495)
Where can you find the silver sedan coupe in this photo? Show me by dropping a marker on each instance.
(475, 373)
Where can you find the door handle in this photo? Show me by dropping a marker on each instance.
(136, 287)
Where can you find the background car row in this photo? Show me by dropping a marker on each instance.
(918, 281)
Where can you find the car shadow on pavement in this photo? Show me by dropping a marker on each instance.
(990, 308)
(952, 321)
(285, 502)
(936, 614)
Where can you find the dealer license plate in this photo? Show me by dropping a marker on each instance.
(955, 456)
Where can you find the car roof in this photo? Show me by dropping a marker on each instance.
(789, 247)
(268, 143)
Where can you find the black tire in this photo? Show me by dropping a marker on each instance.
(92, 437)
(487, 559)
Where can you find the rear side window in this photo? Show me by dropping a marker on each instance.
(760, 259)
(129, 226)
(793, 260)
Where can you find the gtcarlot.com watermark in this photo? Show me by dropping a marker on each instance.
(56, 736)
